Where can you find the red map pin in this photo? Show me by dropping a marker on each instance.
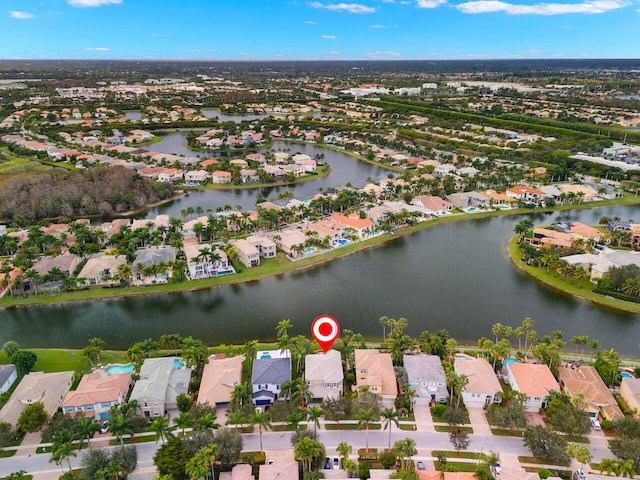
(325, 329)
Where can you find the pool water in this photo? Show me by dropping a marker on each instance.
(342, 241)
(309, 250)
(509, 361)
(177, 364)
(115, 369)
(626, 375)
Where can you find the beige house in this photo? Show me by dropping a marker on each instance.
(295, 170)
(196, 177)
(375, 371)
(219, 378)
(248, 253)
(630, 392)
(48, 388)
(535, 381)
(221, 177)
(279, 471)
(241, 471)
(323, 373)
(586, 382)
(483, 387)
(101, 270)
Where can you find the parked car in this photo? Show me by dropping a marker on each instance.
(420, 465)
(595, 424)
(497, 468)
(104, 428)
(336, 463)
(327, 463)
(580, 475)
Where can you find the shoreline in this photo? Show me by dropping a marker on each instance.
(539, 274)
(270, 268)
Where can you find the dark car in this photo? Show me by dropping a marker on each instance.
(327, 463)
(420, 465)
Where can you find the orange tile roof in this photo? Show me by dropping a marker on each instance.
(533, 379)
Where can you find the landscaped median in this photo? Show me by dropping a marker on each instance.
(582, 289)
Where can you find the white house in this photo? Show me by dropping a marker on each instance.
(323, 373)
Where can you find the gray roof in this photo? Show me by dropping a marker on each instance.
(424, 368)
(273, 371)
(5, 372)
(159, 380)
(151, 256)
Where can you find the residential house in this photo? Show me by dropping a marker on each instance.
(201, 264)
(48, 388)
(268, 375)
(295, 170)
(323, 373)
(535, 381)
(288, 239)
(147, 257)
(580, 230)
(543, 237)
(97, 392)
(374, 370)
(363, 227)
(586, 382)
(161, 381)
(67, 263)
(196, 177)
(239, 162)
(221, 177)
(469, 200)
(279, 471)
(249, 175)
(444, 169)
(426, 376)
(630, 392)
(622, 225)
(276, 173)
(219, 377)
(432, 205)
(309, 165)
(248, 253)
(257, 157)
(170, 175)
(101, 270)
(8, 375)
(241, 471)
(483, 387)
(266, 247)
(526, 194)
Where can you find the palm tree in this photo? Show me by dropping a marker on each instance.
(365, 419)
(84, 430)
(183, 421)
(34, 277)
(624, 468)
(236, 418)
(283, 327)
(294, 419)
(6, 270)
(313, 414)
(344, 450)
(207, 422)
(390, 417)
(120, 425)
(607, 465)
(162, 429)
(63, 452)
(261, 419)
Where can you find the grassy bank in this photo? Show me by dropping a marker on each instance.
(580, 289)
(280, 265)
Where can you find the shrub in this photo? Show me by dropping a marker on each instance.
(364, 471)
(388, 459)
(438, 410)
(545, 473)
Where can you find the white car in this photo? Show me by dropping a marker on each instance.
(580, 475)
(595, 424)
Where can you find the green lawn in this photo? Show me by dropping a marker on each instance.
(447, 428)
(350, 426)
(452, 453)
(63, 360)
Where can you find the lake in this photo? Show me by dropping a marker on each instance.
(456, 276)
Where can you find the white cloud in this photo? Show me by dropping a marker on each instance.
(344, 7)
(384, 55)
(96, 49)
(330, 37)
(380, 27)
(310, 22)
(92, 3)
(430, 3)
(21, 15)
(533, 50)
(587, 7)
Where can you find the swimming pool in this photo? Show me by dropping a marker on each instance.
(626, 375)
(509, 361)
(177, 364)
(119, 368)
(309, 250)
(342, 241)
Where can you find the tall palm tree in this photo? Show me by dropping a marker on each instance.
(261, 419)
(390, 417)
(162, 429)
(313, 415)
(236, 418)
(120, 425)
(183, 421)
(84, 429)
(365, 418)
(63, 452)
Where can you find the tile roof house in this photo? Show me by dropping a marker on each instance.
(586, 381)
(241, 471)
(8, 375)
(323, 373)
(279, 471)
(219, 378)
(375, 371)
(161, 380)
(535, 381)
(364, 227)
(100, 267)
(96, 393)
(630, 392)
(67, 263)
(48, 388)
(483, 387)
(432, 205)
(427, 378)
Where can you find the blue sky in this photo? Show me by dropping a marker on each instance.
(319, 30)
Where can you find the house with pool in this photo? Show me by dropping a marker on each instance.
(161, 381)
(426, 376)
(630, 392)
(219, 377)
(271, 369)
(585, 382)
(535, 381)
(374, 370)
(97, 392)
(483, 387)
